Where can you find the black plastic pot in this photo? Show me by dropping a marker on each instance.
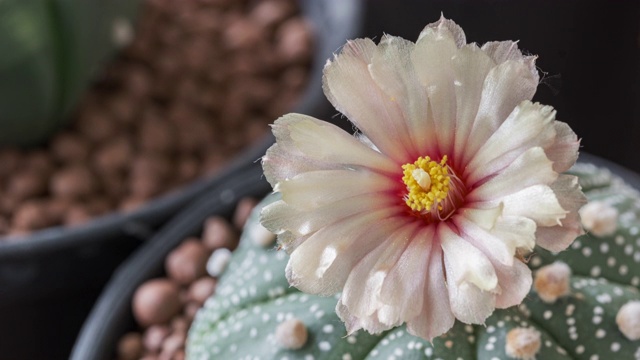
(111, 317)
(49, 282)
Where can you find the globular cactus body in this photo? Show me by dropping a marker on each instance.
(253, 298)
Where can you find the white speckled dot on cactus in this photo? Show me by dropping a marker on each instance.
(253, 298)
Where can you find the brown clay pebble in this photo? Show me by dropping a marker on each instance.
(190, 310)
(154, 336)
(114, 156)
(130, 346)
(187, 262)
(156, 302)
(26, 184)
(73, 183)
(202, 289)
(31, 215)
(180, 324)
(69, 148)
(218, 233)
(172, 344)
(243, 210)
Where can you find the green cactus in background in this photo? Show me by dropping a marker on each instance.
(49, 52)
(254, 299)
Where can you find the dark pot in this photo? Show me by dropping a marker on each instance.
(49, 282)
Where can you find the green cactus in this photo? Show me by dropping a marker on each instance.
(49, 52)
(253, 298)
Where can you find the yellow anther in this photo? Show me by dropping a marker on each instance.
(427, 183)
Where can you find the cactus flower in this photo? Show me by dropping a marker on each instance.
(454, 174)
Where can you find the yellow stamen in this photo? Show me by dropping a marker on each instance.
(427, 183)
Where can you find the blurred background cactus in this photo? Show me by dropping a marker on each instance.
(49, 52)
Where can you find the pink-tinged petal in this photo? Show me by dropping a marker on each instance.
(564, 151)
(501, 51)
(362, 294)
(322, 141)
(445, 25)
(518, 232)
(313, 189)
(530, 124)
(531, 168)
(515, 283)
(282, 162)
(466, 268)
(538, 203)
(470, 66)
(485, 218)
(432, 61)
(322, 263)
(392, 69)
(571, 198)
(279, 216)
(403, 287)
(354, 323)
(481, 239)
(348, 85)
(464, 262)
(435, 317)
(506, 86)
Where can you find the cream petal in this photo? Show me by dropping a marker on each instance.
(515, 283)
(322, 263)
(362, 293)
(404, 285)
(348, 85)
(464, 263)
(466, 268)
(485, 218)
(564, 150)
(517, 232)
(392, 69)
(310, 190)
(531, 168)
(448, 26)
(435, 317)
(432, 61)
(470, 67)
(538, 203)
(571, 198)
(322, 141)
(501, 51)
(354, 323)
(528, 125)
(506, 86)
(279, 216)
(282, 162)
(491, 246)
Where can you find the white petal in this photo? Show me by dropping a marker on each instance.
(528, 125)
(515, 283)
(362, 293)
(465, 263)
(471, 66)
(392, 69)
(531, 168)
(538, 203)
(348, 85)
(564, 151)
(283, 161)
(571, 198)
(403, 287)
(517, 232)
(448, 27)
(310, 190)
(501, 51)
(466, 267)
(322, 263)
(436, 317)
(485, 242)
(320, 140)
(485, 218)
(279, 216)
(506, 86)
(432, 61)
(354, 323)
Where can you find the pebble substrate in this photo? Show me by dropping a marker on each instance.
(200, 80)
